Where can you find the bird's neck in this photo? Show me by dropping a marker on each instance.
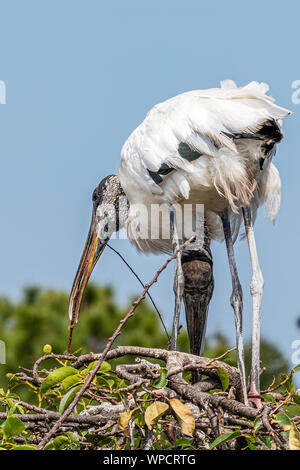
(122, 208)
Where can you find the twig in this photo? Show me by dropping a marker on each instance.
(35, 369)
(111, 340)
(131, 426)
(143, 285)
(222, 356)
(149, 440)
(175, 360)
(213, 420)
(279, 440)
(53, 415)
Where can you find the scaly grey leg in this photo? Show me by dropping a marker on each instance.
(178, 279)
(256, 289)
(236, 300)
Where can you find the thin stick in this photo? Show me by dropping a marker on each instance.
(222, 356)
(72, 324)
(143, 285)
(111, 340)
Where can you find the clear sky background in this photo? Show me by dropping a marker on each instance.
(80, 76)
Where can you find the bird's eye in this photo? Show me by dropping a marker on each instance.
(95, 195)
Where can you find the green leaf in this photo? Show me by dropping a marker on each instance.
(139, 418)
(269, 397)
(24, 447)
(12, 379)
(183, 442)
(257, 424)
(106, 381)
(91, 366)
(105, 367)
(266, 440)
(67, 399)
(283, 419)
(289, 385)
(119, 383)
(13, 426)
(252, 443)
(162, 381)
(99, 440)
(13, 406)
(296, 368)
(58, 375)
(57, 443)
(224, 377)
(225, 438)
(69, 382)
(296, 399)
(292, 410)
(73, 440)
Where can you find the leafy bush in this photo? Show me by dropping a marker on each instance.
(125, 414)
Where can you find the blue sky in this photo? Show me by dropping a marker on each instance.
(80, 76)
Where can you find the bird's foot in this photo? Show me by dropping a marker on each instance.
(254, 397)
(256, 400)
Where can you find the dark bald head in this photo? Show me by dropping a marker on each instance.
(110, 210)
(108, 191)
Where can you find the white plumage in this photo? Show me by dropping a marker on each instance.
(210, 147)
(227, 174)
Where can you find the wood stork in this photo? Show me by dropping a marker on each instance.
(211, 147)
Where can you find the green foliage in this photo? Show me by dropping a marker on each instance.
(38, 324)
(162, 382)
(225, 438)
(170, 419)
(224, 378)
(271, 357)
(58, 375)
(12, 427)
(40, 321)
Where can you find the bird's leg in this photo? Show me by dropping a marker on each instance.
(197, 268)
(178, 279)
(256, 289)
(236, 300)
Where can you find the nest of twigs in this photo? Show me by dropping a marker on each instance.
(87, 403)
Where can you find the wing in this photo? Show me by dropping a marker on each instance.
(178, 135)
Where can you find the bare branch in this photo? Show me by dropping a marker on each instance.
(111, 340)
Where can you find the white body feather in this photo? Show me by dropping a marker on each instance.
(226, 175)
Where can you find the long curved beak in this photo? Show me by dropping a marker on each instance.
(91, 253)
